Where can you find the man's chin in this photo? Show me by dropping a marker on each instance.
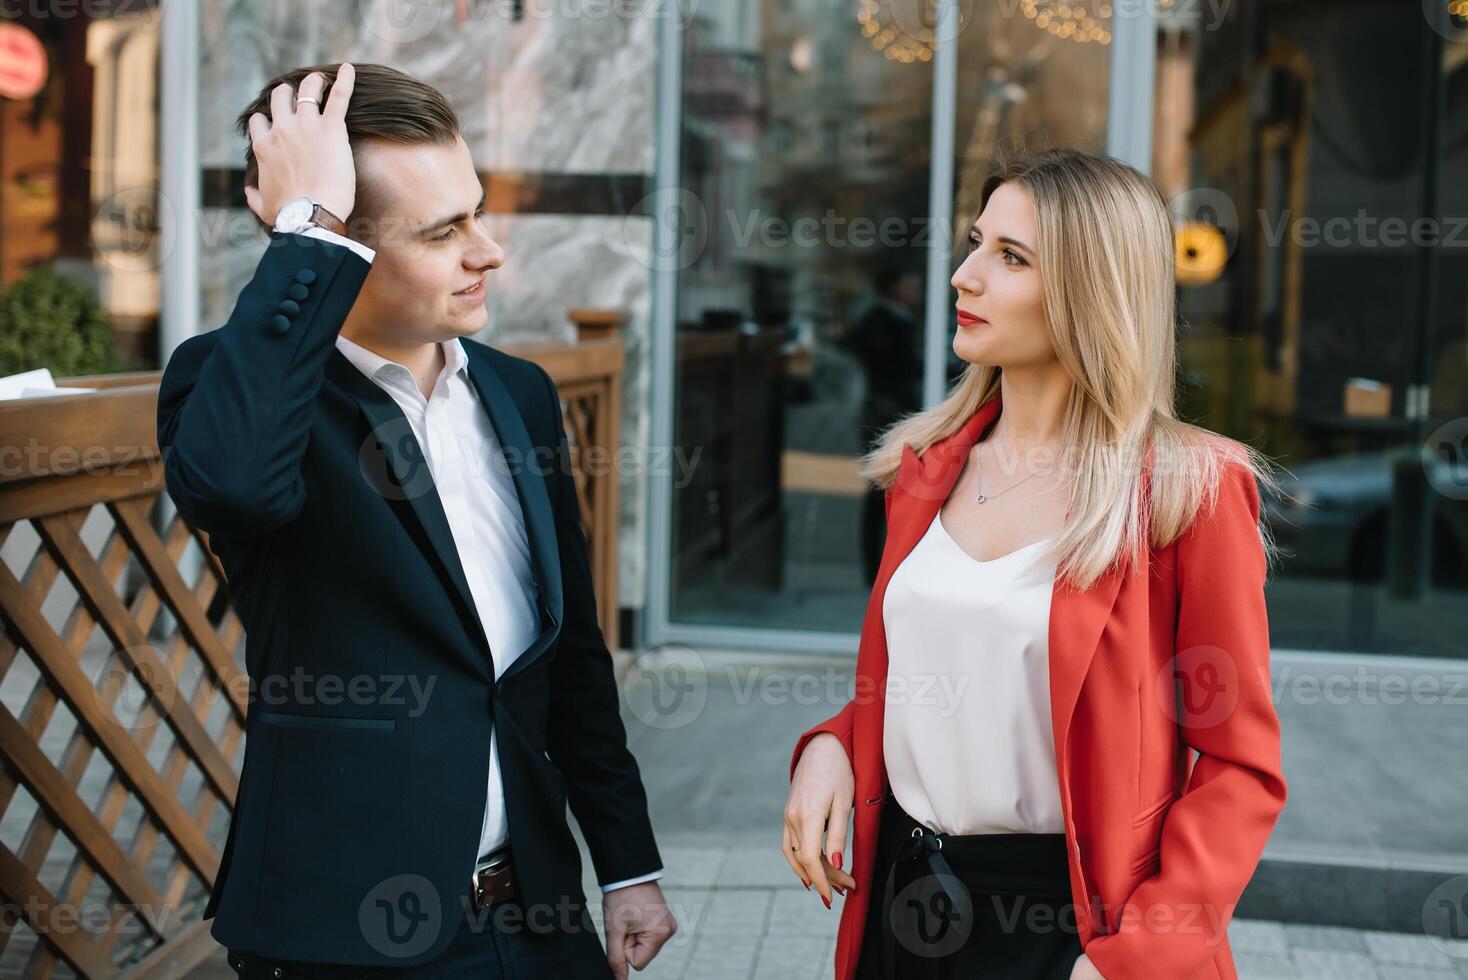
(467, 326)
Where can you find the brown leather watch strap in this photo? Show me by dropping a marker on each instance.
(325, 219)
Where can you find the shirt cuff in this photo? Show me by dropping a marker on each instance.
(316, 231)
(632, 881)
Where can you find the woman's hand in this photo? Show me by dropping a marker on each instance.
(820, 802)
(1085, 970)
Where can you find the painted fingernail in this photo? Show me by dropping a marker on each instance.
(826, 900)
(806, 884)
(837, 859)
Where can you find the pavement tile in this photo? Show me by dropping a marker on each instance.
(1326, 964)
(1303, 936)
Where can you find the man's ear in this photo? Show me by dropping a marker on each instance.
(256, 203)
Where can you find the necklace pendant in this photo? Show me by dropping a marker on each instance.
(981, 498)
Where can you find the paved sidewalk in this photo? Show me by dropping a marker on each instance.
(745, 918)
(713, 734)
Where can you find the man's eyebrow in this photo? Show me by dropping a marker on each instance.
(453, 219)
(1006, 240)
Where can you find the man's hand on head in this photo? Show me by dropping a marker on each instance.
(302, 148)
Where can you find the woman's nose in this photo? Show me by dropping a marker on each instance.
(966, 279)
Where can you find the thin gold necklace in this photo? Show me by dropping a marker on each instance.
(978, 474)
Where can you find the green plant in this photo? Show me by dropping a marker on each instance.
(50, 321)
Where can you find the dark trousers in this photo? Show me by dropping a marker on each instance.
(495, 944)
(994, 906)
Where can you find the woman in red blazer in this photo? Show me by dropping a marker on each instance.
(1155, 646)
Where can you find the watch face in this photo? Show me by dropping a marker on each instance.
(294, 215)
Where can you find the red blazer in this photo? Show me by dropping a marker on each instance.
(1141, 672)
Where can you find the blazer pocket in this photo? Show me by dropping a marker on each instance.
(1148, 864)
(1148, 842)
(285, 720)
(1150, 812)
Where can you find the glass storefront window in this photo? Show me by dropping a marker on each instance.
(1297, 181)
(79, 181)
(807, 132)
(805, 153)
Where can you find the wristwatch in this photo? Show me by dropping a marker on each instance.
(299, 212)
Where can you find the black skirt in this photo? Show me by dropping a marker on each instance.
(982, 906)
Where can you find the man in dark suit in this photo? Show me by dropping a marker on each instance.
(396, 514)
(888, 341)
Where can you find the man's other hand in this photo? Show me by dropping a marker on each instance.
(638, 923)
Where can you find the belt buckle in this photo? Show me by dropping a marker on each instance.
(495, 863)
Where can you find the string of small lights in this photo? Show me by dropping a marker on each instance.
(1066, 20)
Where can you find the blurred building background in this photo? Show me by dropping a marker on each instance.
(768, 191)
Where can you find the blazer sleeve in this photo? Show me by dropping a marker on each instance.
(235, 405)
(1214, 834)
(586, 738)
(840, 724)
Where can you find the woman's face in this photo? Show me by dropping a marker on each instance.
(1001, 318)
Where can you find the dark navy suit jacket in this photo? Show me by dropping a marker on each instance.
(358, 817)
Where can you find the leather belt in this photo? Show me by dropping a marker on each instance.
(493, 880)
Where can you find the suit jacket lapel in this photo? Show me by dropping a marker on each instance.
(392, 460)
(530, 472)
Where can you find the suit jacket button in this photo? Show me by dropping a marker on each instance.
(306, 276)
(298, 292)
(289, 307)
(279, 323)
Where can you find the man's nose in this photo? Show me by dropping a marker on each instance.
(486, 253)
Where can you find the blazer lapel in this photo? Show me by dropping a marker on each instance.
(395, 465)
(924, 483)
(1077, 620)
(529, 471)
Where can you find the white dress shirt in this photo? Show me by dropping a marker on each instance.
(967, 737)
(483, 511)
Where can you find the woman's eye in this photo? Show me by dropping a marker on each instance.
(1010, 253)
(973, 243)
(444, 237)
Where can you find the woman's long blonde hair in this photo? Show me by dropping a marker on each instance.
(1105, 247)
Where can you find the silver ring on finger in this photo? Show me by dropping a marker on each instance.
(308, 98)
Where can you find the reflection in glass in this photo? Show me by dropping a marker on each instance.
(1320, 335)
(806, 135)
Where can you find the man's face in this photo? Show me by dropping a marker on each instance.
(429, 234)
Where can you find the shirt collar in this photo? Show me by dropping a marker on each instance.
(372, 364)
